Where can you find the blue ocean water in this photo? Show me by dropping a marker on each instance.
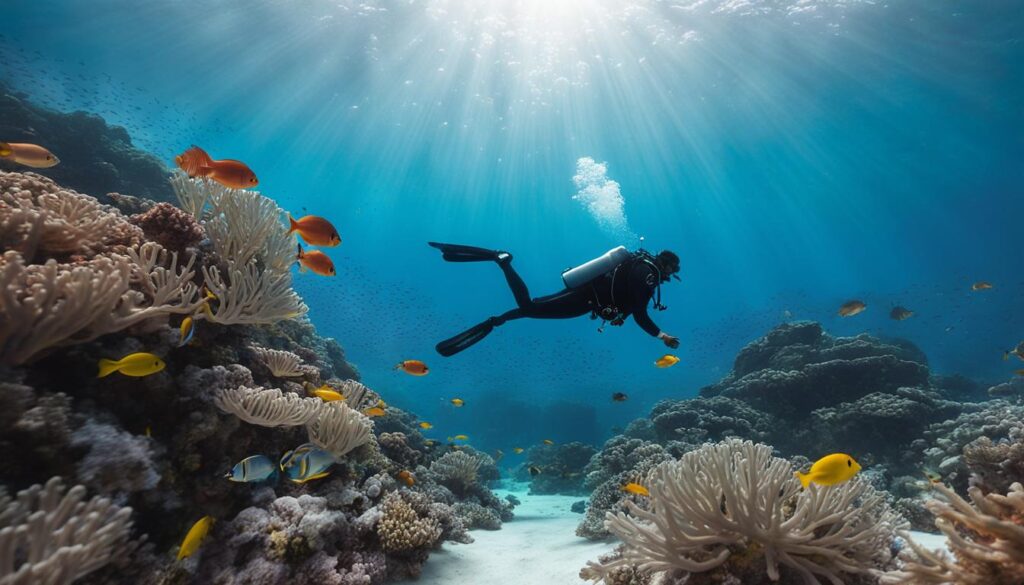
(795, 154)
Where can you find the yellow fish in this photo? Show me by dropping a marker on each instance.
(195, 537)
(932, 476)
(459, 438)
(1019, 372)
(426, 426)
(327, 394)
(375, 411)
(457, 402)
(517, 450)
(135, 364)
(548, 442)
(188, 328)
(635, 488)
(830, 470)
(149, 431)
(666, 361)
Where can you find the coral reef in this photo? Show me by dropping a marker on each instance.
(95, 158)
(456, 471)
(48, 535)
(561, 468)
(942, 446)
(985, 535)
(170, 227)
(733, 509)
(82, 282)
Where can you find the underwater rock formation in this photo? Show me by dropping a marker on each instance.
(561, 468)
(731, 513)
(95, 158)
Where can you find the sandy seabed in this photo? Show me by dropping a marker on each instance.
(539, 546)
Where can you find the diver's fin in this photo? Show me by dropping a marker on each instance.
(464, 340)
(460, 253)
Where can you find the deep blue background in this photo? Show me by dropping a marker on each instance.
(795, 155)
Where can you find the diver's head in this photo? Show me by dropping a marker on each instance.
(668, 264)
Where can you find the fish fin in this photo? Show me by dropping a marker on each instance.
(292, 224)
(5, 149)
(805, 478)
(107, 367)
(299, 255)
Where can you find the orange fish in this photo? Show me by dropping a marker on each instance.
(981, 285)
(30, 155)
(407, 477)
(636, 489)
(230, 173)
(315, 230)
(316, 261)
(851, 308)
(375, 411)
(414, 367)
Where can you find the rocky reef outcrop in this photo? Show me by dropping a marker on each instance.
(95, 158)
(808, 393)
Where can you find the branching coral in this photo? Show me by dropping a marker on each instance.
(52, 537)
(251, 295)
(43, 306)
(268, 407)
(732, 500)
(39, 217)
(248, 234)
(339, 429)
(282, 364)
(986, 538)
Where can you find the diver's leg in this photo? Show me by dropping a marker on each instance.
(475, 334)
(515, 282)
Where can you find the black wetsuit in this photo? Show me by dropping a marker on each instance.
(629, 289)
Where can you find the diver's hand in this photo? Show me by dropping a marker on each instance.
(670, 341)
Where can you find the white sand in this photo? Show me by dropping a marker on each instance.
(539, 546)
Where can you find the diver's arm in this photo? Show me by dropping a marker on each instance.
(643, 281)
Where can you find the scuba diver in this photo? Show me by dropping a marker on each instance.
(611, 288)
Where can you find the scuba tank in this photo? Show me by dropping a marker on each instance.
(603, 264)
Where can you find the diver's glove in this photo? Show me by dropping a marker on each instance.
(670, 341)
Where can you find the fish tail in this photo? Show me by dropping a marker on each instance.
(5, 150)
(805, 478)
(195, 162)
(107, 367)
(1006, 355)
(292, 224)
